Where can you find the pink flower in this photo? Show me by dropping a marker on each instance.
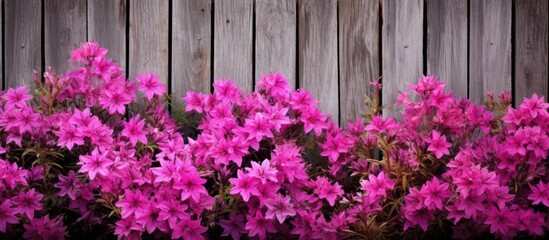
(151, 85)
(114, 101)
(133, 203)
(88, 52)
(45, 228)
(69, 136)
(16, 97)
(28, 202)
(95, 164)
(540, 193)
(436, 194)
(501, 222)
(259, 226)
(471, 205)
(314, 120)
(335, 145)
(244, 185)
(258, 127)
(438, 144)
(194, 101)
(275, 84)
(151, 221)
(129, 228)
(378, 185)
(378, 125)
(327, 191)
(134, 130)
(302, 100)
(7, 215)
(535, 106)
(234, 226)
(420, 217)
(191, 186)
(279, 207)
(227, 90)
(263, 172)
(530, 221)
(172, 210)
(11, 175)
(188, 229)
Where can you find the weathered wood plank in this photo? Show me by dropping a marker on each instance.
(275, 45)
(65, 29)
(489, 48)
(191, 47)
(402, 53)
(149, 38)
(447, 43)
(233, 42)
(318, 53)
(358, 55)
(531, 49)
(22, 38)
(107, 26)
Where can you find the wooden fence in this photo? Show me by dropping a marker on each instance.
(329, 47)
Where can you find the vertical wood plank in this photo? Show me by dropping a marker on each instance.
(275, 33)
(489, 48)
(191, 47)
(107, 26)
(402, 43)
(149, 38)
(22, 38)
(447, 43)
(358, 54)
(531, 49)
(233, 42)
(65, 29)
(318, 53)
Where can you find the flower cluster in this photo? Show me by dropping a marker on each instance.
(93, 153)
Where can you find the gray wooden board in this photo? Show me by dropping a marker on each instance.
(317, 53)
(275, 43)
(447, 43)
(23, 46)
(358, 55)
(65, 30)
(489, 48)
(149, 38)
(531, 50)
(233, 42)
(402, 49)
(191, 47)
(107, 26)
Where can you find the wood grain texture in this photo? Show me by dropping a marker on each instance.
(489, 48)
(402, 43)
(107, 26)
(65, 30)
(191, 47)
(23, 46)
(233, 42)
(531, 49)
(358, 55)
(149, 38)
(275, 43)
(447, 43)
(317, 49)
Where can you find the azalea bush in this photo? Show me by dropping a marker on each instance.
(91, 153)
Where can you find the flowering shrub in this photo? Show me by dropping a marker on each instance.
(90, 153)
